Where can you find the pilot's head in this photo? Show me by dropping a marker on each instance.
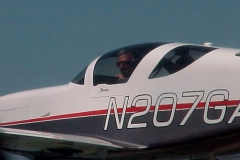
(125, 62)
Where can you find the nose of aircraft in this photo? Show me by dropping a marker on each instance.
(13, 107)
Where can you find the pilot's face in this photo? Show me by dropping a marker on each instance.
(124, 63)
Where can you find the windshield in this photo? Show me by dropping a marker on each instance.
(79, 79)
(117, 66)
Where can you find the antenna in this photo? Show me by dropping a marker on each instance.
(208, 44)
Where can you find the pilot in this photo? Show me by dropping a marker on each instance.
(126, 65)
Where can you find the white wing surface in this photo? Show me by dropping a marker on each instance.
(42, 143)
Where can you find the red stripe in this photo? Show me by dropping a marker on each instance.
(57, 117)
(228, 103)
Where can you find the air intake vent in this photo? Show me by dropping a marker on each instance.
(238, 54)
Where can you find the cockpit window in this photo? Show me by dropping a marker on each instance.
(79, 79)
(117, 66)
(177, 59)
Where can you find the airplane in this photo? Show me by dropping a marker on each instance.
(158, 100)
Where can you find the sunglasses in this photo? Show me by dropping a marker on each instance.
(124, 63)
